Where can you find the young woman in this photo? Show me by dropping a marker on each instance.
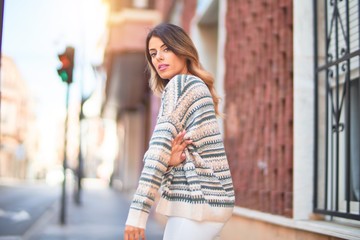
(186, 157)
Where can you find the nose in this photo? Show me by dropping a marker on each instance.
(159, 56)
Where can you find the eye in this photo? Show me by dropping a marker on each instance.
(152, 54)
(166, 49)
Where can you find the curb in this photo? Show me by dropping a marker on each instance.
(42, 221)
(11, 238)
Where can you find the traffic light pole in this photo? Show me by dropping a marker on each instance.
(66, 74)
(63, 195)
(2, 6)
(80, 167)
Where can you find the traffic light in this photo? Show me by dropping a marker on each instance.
(67, 65)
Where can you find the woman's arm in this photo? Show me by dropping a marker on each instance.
(157, 158)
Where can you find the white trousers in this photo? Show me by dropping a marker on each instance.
(178, 228)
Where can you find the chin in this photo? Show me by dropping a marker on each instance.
(167, 76)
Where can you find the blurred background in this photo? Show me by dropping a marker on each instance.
(33, 95)
(77, 113)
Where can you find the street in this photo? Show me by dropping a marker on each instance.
(21, 204)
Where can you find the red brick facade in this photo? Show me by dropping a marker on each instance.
(259, 103)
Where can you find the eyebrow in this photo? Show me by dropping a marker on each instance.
(155, 49)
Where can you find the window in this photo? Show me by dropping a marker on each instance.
(337, 109)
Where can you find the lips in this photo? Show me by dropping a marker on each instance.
(162, 67)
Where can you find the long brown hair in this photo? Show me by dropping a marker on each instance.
(176, 39)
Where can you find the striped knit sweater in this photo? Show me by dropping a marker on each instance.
(201, 187)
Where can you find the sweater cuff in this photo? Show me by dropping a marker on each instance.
(137, 218)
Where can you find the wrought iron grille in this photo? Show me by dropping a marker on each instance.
(337, 108)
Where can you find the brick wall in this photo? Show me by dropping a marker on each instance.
(259, 103)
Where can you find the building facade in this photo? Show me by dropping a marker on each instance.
(19, 142)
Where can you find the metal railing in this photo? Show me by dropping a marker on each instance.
(337, 108)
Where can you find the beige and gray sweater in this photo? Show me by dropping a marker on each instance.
(201, 187)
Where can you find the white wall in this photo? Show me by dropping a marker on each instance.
(210, 42)
(303, 108)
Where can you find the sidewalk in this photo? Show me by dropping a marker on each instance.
(101, 216)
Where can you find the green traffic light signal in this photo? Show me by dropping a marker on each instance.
(63, 75)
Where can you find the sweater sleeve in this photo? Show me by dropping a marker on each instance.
(156, 160)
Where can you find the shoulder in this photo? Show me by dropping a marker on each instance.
(194, 80)
(187, 83)
(194, 85)
(174, 85)
(182, 87)
(182, 80)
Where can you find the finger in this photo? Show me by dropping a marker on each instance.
(127, 236)
(130, 233)
(175, 141)
(133, 236)
(181, 134)
(179, 137)
(142, 234)
(182, 157)
(185, 143)
(126, 233)
(137, 234)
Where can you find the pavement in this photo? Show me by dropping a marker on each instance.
(100, 216)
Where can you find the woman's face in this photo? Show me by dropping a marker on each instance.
(166, 63)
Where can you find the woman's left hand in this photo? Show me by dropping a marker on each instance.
(178, 145)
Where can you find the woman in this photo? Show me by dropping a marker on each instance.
(186, 156)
